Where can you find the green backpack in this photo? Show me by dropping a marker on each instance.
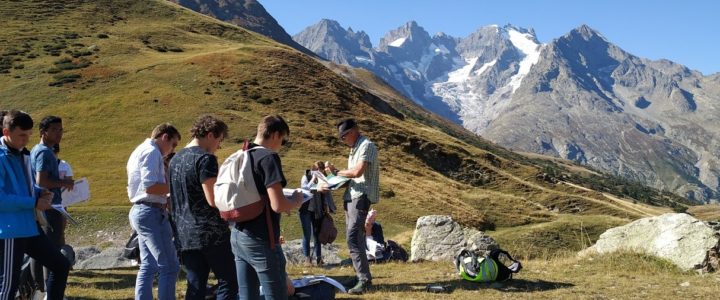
(472, 267)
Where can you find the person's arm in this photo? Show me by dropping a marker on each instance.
(41, 162)
(355, 172)
(44, 180)
(279, 203)
(208, 172)
(151, 176)
(11, 202)
(367, 155)
(208, 189)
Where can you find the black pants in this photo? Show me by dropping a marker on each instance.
(198, 264)
(39, 248)
(56, 233)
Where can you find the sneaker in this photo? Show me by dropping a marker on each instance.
(361, 287)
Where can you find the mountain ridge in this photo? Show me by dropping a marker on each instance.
(475, 80)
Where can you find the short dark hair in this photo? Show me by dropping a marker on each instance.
(15, 118)
(165, 128)
(47, 121)
(272, 124)
(206, 124)
(2, 117)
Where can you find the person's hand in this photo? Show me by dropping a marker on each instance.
(282, 239)
(68, 184)
(297, 198)
(323, 187)
(44, 200)
(331, 168)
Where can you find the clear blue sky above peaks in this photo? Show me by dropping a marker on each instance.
(686, 32)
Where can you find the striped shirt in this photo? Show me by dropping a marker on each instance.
(369, 183)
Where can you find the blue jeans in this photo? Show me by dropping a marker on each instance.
(257, 265)
(310, 228)
(157, 252)
(198, 264)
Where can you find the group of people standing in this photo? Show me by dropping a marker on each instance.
(30, 184)
(177, 222)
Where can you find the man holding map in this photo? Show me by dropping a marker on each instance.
(362, 191)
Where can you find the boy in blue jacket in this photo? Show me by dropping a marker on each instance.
(19, 197)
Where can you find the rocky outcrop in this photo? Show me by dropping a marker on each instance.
(92, 258)
(439, 238)
(294, 254)
(679, 238)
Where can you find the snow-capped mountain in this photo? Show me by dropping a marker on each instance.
(578, 97)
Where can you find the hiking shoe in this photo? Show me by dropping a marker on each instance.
(361, 287)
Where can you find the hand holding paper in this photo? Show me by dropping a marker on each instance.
(79, 193)
(290, 192)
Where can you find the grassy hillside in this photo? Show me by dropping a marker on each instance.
(114, 69)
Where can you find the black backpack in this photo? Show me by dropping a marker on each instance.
(393, 251)
(132, 248)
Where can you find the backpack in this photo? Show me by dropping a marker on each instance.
(393, 251)
(489, 268)
(132, 248)
(236, 195)
(317, 291)
(328, 231)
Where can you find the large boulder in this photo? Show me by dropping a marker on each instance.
(294, 254)
(91, 258)
(679, 238)
(439, 238)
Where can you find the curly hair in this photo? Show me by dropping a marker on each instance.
(206, 124)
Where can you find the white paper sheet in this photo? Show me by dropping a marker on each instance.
(80, 193)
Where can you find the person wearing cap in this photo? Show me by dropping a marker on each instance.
(362, 191)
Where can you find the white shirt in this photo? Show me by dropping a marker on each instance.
(145, 168)
(64, 169)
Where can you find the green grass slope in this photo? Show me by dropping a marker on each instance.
(114, 69)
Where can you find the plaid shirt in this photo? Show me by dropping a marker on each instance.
(369, 183)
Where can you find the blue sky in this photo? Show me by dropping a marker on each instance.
(687, 32)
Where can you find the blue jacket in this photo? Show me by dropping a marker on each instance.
(17, 195)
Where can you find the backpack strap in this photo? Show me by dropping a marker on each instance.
(268, 218)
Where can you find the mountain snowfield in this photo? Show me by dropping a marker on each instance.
(577, 97)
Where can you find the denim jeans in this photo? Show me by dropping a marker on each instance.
(198, 264)
(157, 252)
(257, 265)
(310, 228)
(40, 248)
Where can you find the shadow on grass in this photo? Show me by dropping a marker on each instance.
(512, 286)
(103, 280)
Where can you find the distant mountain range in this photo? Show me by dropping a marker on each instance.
(578, 97)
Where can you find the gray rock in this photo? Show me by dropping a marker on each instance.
(90, 258)
(679, 238)
(83, 253)
(439, 238)
(294, 254)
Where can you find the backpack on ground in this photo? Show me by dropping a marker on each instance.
(489, 268)
(132, 248)
(236, 195)
(393, 251)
